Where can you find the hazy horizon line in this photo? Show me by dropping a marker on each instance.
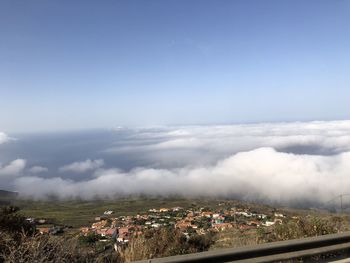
(145, 126)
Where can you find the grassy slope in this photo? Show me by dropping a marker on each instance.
(82, 213)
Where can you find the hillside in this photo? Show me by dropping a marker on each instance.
(6, 197)
(185, 225)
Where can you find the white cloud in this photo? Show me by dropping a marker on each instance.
(263, 174)
(273, 162)
(38, 169)
(12, 169)
(81, 167)
(4, 138)
(170, 147)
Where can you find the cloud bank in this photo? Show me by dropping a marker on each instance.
(81, 167)
(13, 169)
(166, 147)
(4, 137)
(262, 174)
(9, 172)
(285, 163)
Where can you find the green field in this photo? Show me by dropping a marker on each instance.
(82, 213)
(77, 213)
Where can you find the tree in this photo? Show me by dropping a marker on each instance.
(13, 223)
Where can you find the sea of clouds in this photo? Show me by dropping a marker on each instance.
(297, 163)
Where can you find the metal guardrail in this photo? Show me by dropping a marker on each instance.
(270, 252)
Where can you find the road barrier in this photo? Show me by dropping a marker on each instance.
(269, 252)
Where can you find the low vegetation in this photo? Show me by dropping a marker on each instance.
(164, 242)
(77, 213)
(21, 242)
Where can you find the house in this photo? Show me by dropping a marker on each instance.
(122, 240)
(108, 212)
(278, 221)
(216, 216)
(253, 223)
(50, 230)
(206, 214)
(30, 220)
(85, 230)
(56, 230)
(222, 226)
(156, 225)
(106, 232)
(43, 230)
(123, 231)
(111, 231)
(279, 215)
(261, 216)
(183, 225)
(123, 235)
(268, 223)
(162, 210)
(245, 214)
(100, 224)
(219, 219)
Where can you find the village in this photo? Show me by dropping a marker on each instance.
(191, 221)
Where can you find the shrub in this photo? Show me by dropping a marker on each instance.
(45, 248)
(304, 227)
(89, 239)
(19, 244)
(162, 243)
(13, 223)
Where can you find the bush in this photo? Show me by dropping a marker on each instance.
(19, 243)
(44, 248)
(162, 243)
(13, 223)
(89, 239)
(304, 227)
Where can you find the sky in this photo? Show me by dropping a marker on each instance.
(245, 99)
(67, 65)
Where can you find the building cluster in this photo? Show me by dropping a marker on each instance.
(45, 226)
(188, 221)
(52, 230)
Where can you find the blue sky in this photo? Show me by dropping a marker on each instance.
(98, 64)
